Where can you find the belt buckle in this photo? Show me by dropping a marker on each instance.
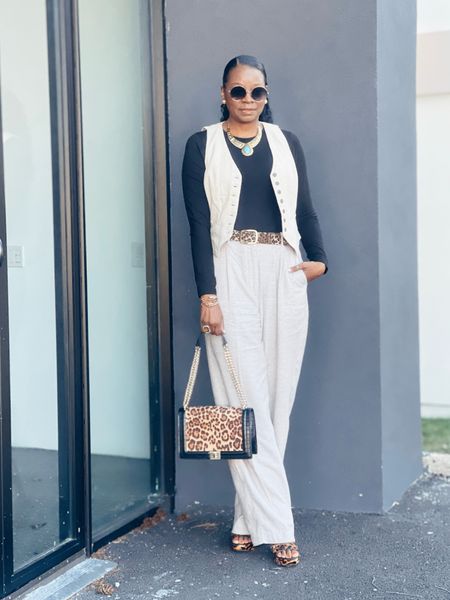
(249, 231)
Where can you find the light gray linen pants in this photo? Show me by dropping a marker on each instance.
(265, 309)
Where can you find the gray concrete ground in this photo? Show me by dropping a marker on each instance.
(404, 553)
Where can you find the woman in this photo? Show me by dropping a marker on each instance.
(248, 204)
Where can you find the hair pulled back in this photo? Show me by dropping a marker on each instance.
(251, 61)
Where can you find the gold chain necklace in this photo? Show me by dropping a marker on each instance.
(246, 147)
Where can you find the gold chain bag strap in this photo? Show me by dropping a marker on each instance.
(216, 432)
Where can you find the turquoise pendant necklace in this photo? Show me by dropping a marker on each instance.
(246, 148)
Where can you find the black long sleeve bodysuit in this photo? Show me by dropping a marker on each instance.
(258, 208)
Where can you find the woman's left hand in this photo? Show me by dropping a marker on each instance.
(312, 269)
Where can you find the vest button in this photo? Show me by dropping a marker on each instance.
(274, 174)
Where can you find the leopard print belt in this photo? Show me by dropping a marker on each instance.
(251, 236)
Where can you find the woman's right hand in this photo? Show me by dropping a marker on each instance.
(213, 317)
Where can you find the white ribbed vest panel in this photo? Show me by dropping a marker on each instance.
(223, 180)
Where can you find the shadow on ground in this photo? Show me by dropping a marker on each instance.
(404, 553)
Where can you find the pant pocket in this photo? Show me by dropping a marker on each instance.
(299, 277)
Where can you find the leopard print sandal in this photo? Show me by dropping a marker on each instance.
(285, 561)
(241, 546)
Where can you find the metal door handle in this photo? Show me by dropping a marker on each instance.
(1, 253)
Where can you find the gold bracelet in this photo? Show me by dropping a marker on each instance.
(213, 300)
(210, 304)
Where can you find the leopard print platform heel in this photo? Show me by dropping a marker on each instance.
(284, 561)
(241, 546)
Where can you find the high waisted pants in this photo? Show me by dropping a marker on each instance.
(265, 310)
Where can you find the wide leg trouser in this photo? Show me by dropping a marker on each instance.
(265, 309)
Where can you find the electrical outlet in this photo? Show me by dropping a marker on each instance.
(15, 256)
(137, 254)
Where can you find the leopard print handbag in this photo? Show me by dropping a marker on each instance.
(215, 432)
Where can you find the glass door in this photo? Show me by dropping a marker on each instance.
(42, 506)
(87, 423)
(119, 207)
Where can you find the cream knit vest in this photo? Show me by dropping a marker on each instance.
(223, 180)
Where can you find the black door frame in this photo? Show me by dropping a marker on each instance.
(66, 124)
(5, 433)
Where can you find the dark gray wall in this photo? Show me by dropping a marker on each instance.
(321, 59)
(399, 351)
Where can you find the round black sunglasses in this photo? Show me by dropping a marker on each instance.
(238, 92)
